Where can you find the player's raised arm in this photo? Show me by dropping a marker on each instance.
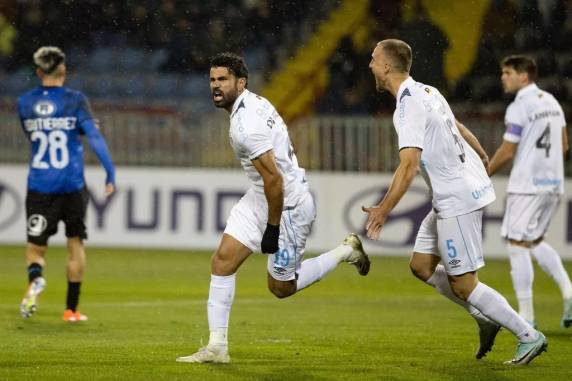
(265, 164)
(473, 142)
(409, 159)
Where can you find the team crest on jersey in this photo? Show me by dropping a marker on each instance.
(44, 108)
(36, 225)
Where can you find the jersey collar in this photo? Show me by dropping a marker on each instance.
(403, 87)
(527, 89)
(238, 102)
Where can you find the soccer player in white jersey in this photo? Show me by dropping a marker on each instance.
(536, 139)
(448, 249)
(274, 216)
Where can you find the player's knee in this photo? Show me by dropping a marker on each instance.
(420, 271)
(463, 286)
(281, 291)
(221, 265)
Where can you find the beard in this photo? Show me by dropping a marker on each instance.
(225, 100)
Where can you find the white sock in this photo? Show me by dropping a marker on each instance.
(221, 296)
(551, 263)
(440, 282)
(496, 307)
(314, 269)
(522, 275)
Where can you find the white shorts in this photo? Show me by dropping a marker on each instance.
(247, 222)
(457, 240)
(527, 216)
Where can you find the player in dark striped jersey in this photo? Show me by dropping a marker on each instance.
(53, 118)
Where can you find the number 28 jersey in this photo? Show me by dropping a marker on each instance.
(256, 128)
(52, 119)
(451, 168)
(535, 121)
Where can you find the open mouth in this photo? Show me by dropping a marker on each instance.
(217, 95)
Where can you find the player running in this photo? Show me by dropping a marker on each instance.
(537, 140)
(448, 249)
(274, 216)
(53, 118)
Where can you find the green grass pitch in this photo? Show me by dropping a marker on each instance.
(148, 307)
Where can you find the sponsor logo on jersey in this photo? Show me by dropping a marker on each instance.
(546, 182)
(44, 108)
(478, 193)
(454, 262)
(37, 224)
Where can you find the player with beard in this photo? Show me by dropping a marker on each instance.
(274, 216)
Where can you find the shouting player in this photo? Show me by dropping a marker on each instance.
(274, 216)
(448, 249)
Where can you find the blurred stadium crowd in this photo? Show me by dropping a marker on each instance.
(157, 49)
(144, 66)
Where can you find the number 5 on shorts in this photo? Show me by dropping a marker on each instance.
(451, 251)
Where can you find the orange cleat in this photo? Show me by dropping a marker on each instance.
(73, 317)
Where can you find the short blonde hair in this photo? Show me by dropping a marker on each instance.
(399, 52)
(48, 58)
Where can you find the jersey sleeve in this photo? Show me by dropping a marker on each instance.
(84, 112)
(411, 121)
(255, 138)
(514, 123)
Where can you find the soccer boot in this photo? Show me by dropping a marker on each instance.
(487, 333)
(29, 304)
(73, 317)
(357, 257)
(208, 355)
(526, 352)
(567, 315)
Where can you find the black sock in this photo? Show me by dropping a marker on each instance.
(73, 295)
(34, 271)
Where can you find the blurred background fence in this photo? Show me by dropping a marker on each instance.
(161, 136)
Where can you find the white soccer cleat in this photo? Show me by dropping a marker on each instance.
(526, 352)
(207, 355)
(357, 257)
(29, 304)
(487, 333)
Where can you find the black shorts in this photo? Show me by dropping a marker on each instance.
(44, 211)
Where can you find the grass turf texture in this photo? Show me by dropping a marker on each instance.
(148, 307)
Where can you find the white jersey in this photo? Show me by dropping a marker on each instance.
(535, 121)
(256, 128)
(451, 168)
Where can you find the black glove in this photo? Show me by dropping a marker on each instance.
(269, 243)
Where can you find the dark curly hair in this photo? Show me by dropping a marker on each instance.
(233, 62)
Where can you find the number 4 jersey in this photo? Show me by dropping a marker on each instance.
(451, 168)
(53, 118)
(535, 121)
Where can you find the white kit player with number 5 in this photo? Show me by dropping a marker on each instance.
(448, 250)
(537, 141)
